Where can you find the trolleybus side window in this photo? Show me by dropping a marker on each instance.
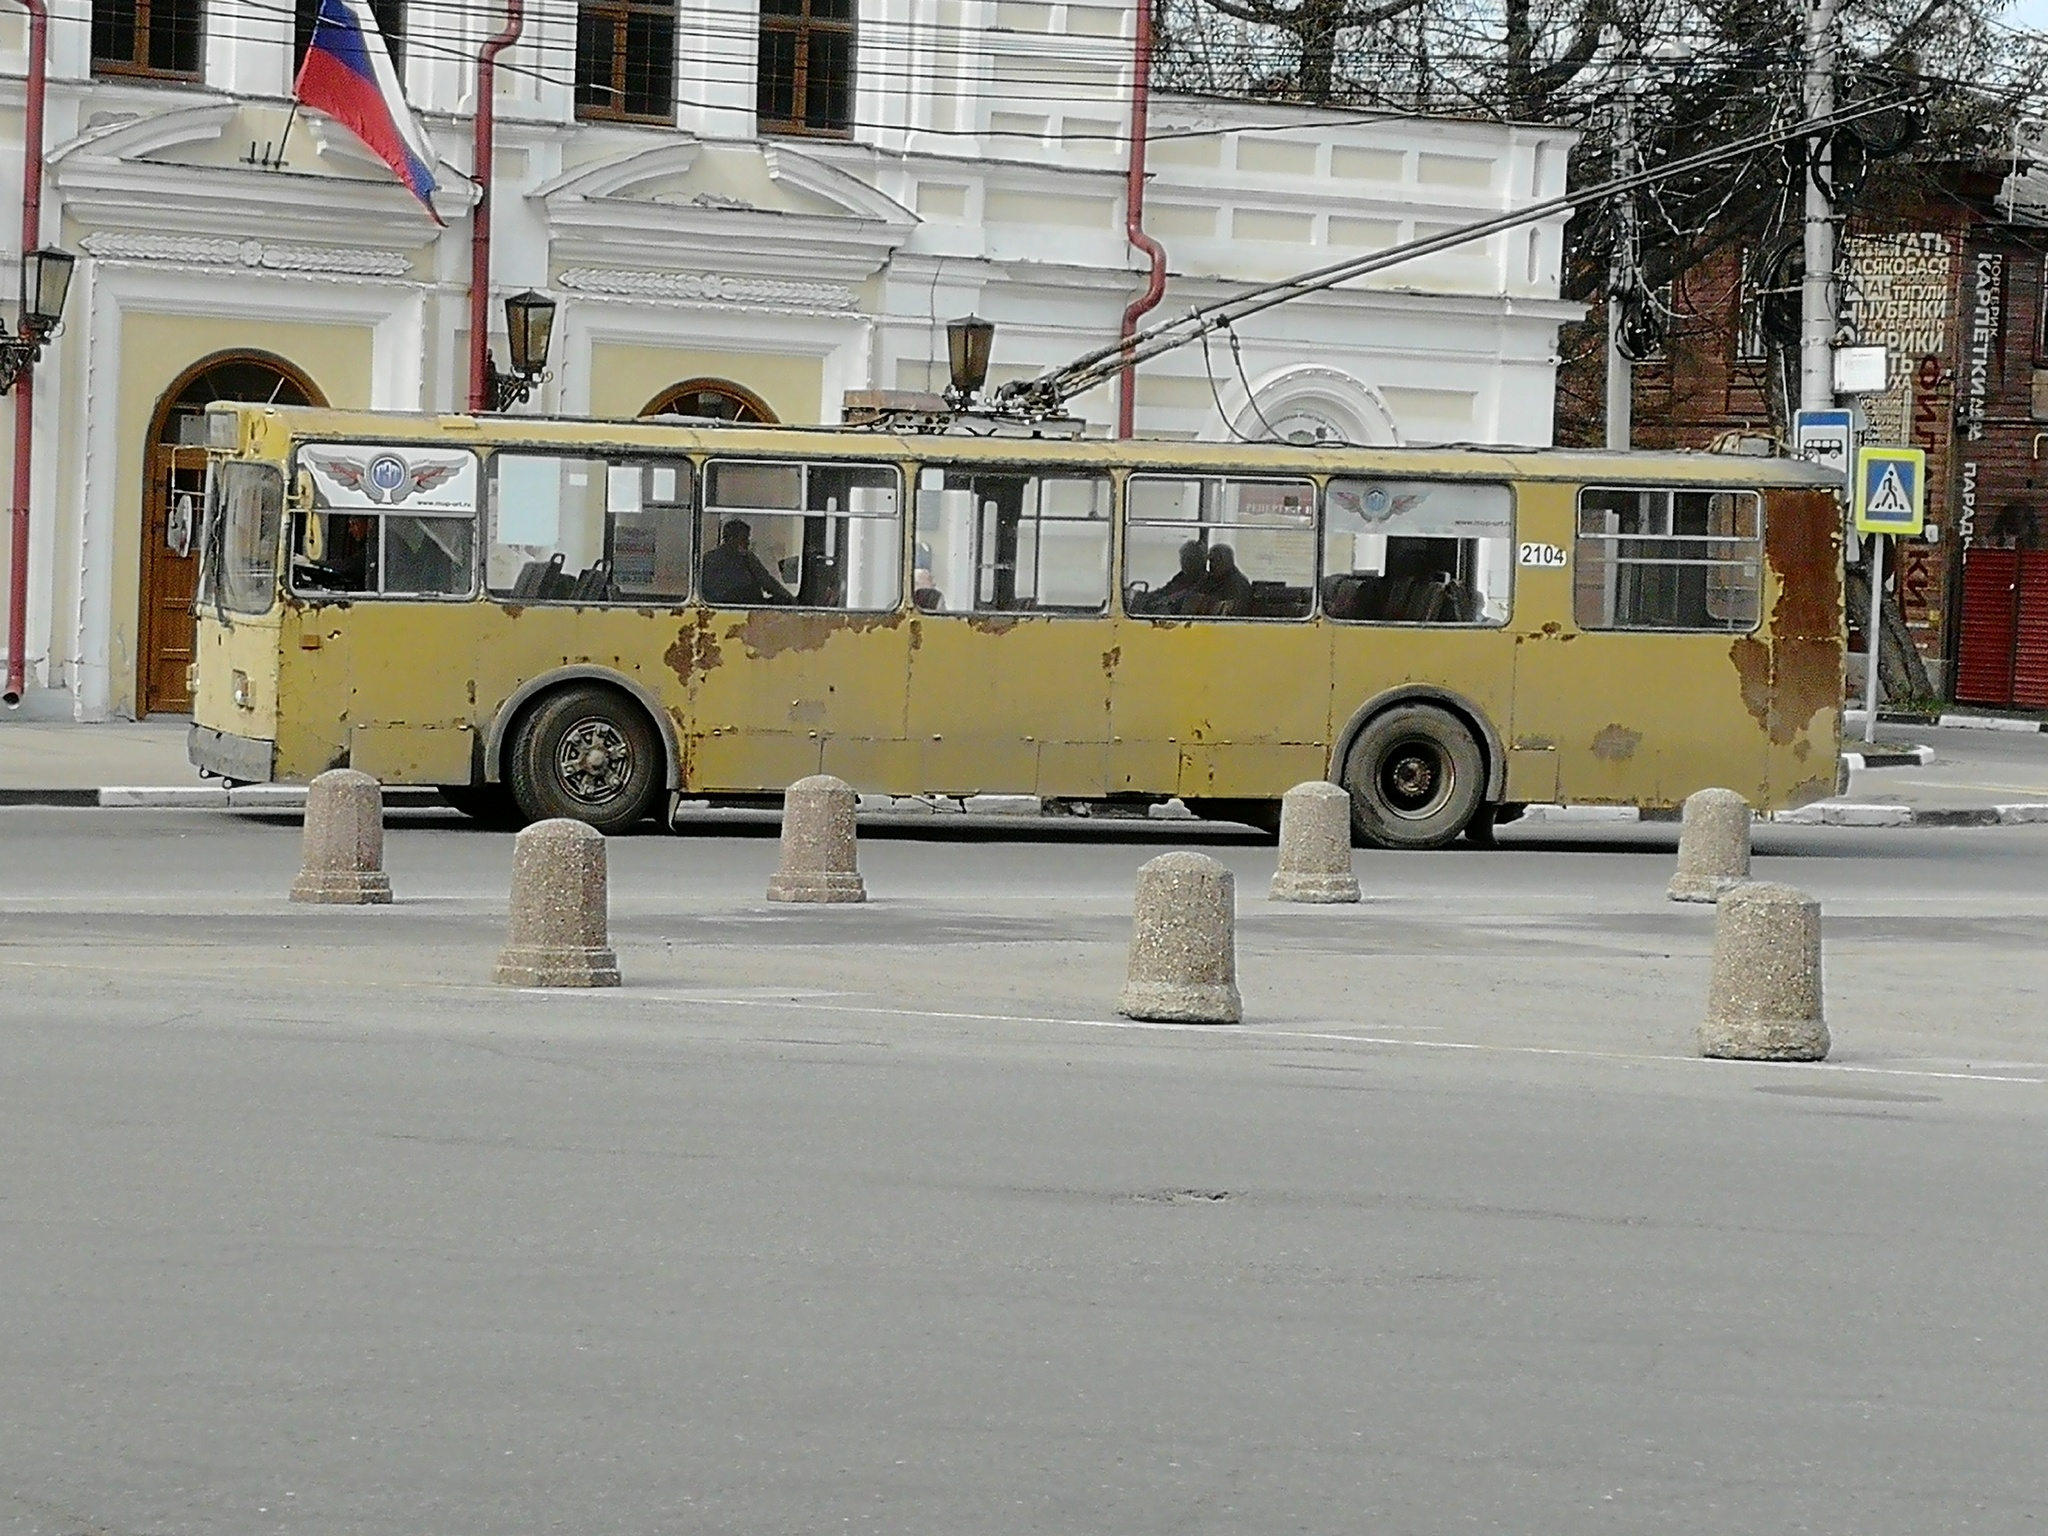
(1417, 551)
(595, 530)
(1668, 559)
(1010, 541)
(387, 520)
(1217, 548)
(817, 535)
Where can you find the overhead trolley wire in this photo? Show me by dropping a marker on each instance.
(1044, 394)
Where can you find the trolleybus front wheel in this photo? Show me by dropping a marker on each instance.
(587, 754)
(1416, 778)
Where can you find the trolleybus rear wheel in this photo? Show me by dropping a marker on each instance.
(1416, 778)
(587, 754)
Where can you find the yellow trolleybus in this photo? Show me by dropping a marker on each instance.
(587, 618)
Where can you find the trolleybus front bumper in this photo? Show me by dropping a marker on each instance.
(240, 759)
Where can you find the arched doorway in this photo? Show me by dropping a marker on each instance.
(174, 480)
(716, 399)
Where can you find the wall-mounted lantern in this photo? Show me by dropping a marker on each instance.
(530, 325)
(969, 341)
(45, 281)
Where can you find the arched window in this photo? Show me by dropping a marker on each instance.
(717, 399)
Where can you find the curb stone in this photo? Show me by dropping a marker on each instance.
(1893, 757)
(1950, 722)
(201, 797)
(1828, 813)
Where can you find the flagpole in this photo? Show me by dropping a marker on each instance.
(480, 217)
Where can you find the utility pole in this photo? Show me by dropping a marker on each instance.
(1623, 279)
(1817, 322)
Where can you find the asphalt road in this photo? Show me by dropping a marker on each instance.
(877, 1219)
(1970, 767)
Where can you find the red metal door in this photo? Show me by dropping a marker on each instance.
(2030, 641)
(1984, 656)
(2003, 655)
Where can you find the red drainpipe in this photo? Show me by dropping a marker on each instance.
(24, 390)
(1134, 220)
(480, 217)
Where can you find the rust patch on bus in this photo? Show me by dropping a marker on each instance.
(1110, 658)
(1803, 543)
(1752, 660)
(769, 632)
(1616, 743)
(696, 650)
(994, 623)
(1807, 681)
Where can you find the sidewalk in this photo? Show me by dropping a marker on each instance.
(61, 755)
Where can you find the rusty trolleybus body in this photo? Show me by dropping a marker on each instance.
(582, 618)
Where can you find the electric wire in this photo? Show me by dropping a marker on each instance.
(1047, 391)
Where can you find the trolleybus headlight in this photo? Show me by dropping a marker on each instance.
(241, 690)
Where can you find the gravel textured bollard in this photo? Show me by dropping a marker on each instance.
(1315, 845)
(1764, 1001)
(559, 936)
(1183, 965)
(342, 862)
(1713, 846)
(818, 847)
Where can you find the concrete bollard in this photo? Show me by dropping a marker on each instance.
(341, 862)
(1764, 1000)
(559, 935)
(1713, 846)
(1183, 964)
(1315, 845)
(819, 852)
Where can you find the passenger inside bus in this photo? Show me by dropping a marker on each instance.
(1185, 584)
(733, 574)
(1224, 591)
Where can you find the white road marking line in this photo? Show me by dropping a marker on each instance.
(1255, 1032)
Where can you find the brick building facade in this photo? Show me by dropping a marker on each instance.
(1957, 296)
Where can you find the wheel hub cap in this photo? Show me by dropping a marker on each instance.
(1416, 779)
(594, 762)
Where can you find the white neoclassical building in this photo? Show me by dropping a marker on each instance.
(741, 206)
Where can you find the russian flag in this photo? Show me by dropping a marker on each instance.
(348, 75)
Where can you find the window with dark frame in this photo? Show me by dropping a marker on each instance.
(626, 61)
(390, 16)
(804, 74)
(157, 39)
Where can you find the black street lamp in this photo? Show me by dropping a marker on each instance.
(529, 325)
(45, 280)
(969, 341)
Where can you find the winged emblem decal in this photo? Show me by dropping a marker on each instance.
(387, 479)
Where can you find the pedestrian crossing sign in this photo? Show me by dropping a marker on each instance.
(1891, 490)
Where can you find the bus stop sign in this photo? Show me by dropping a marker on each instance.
(1891, 490)
(1825, 438)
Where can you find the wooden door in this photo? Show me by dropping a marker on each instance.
(170, 574)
